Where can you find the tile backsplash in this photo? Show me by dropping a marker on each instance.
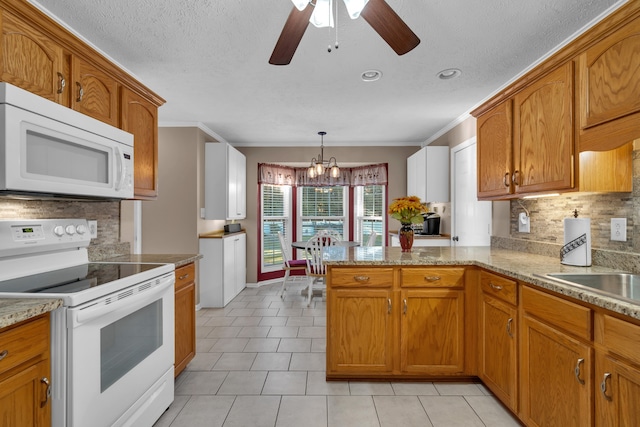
(107, 213)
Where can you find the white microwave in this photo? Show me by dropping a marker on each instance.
(47, 149)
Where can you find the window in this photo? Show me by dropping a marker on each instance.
(323, 208)
(369, 213)
(276, 216)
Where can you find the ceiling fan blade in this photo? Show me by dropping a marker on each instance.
(291, 35)
(390, 26)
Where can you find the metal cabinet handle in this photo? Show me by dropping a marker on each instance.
(576, 371)
(45, 381)
(504, 179)
(61, 83)
(603, 385)
(389, 305)
(509, 322)
(4, 354)
(404, 309)
(80, 92)
(514, 177)
(496, 287)
(361, 278)
(431, 278)
(184, 276)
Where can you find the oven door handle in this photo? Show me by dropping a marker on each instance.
(121, 306)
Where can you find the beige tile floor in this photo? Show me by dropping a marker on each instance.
(260, 362)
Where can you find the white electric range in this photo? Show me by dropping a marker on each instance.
(112, 345)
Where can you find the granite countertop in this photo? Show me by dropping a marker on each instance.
(13, 311)
(519, 265)
(424, 236)
(178, 259)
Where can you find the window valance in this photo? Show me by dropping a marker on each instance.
(356, 176)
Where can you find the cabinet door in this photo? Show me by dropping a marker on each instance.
(31, 60)
(543, 133)
(240, 259)
(94, 93)
(23, 398)
(417, 174)
(608, 93)
(140, 117)
(556, 383)
(360, 331)
(494, 146)
(617, 393)
(228, 270)
(432, 331)
(185, 317)
(237, 199)
(498, 344)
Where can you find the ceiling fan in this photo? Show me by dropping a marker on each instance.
(377, 13)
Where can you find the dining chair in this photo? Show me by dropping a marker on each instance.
(372, 239)
(288, 264)
(316, 270)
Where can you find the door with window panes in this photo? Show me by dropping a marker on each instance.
(369, 213)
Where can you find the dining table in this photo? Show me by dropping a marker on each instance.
(348, 243)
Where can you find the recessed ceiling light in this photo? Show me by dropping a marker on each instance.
(449, 73)
(371, 75)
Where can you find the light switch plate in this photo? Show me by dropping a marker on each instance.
(619, 229)
(524, 223)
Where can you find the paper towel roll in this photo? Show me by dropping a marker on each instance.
(577, 242)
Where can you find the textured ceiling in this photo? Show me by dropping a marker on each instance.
(208, 59)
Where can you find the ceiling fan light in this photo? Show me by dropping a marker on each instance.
(322, 14)
(354, 7)
(300, 4)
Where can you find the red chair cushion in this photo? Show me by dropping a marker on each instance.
(297, 263)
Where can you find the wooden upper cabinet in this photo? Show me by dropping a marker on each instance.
(94, 92)
(543, 137)
(495, 138)
(609, 90)
(31, 60)
(140, 117)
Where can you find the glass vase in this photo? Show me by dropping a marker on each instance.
(405, 234)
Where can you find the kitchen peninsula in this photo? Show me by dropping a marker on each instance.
(478, 312)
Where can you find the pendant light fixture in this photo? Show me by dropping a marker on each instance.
(319, 165)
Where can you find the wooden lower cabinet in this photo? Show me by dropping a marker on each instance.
(432, 331)
(361, 336)
(498, 349)
(617, 392)
(25, 374)
(185, 317)
(387, 322)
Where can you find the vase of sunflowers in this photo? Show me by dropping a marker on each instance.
(408, 210)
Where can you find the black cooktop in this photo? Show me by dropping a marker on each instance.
(73, 279)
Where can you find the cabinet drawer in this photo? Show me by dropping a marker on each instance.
(566, 315)
(360, 277)
(499, 287)
(185, 275)
(621, 337)
(24, 342)
(432, 277)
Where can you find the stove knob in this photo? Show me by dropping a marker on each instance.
(71, 230)
(81, 229)
(58, 230)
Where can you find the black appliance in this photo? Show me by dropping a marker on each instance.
(431, 226)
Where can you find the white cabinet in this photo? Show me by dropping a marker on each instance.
(225, 182)
(428, 174)
(223, 269)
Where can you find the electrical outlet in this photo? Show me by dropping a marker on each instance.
(93, 229)
(619, 229)
(524, 223)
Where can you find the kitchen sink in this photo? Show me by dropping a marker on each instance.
(622, 285)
